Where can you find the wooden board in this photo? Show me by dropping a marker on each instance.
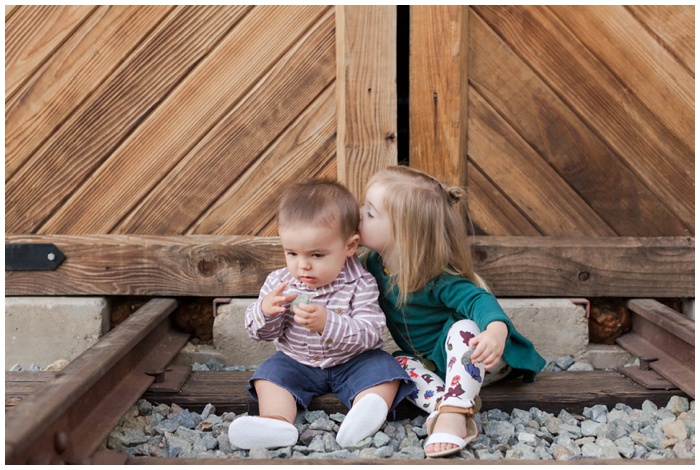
(551, 392)
(553, 206)
(561, 139)
(438, 91)
(366, 92)
(214, 86)
(103, 122)
(238, 138)
(674, 25)
(250, 204)
(659, 156)
(70, 75)
(229, 266)
(24, 53)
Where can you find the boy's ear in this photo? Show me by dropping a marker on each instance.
(353, 243)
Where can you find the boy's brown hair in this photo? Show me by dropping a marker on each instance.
(320, 201)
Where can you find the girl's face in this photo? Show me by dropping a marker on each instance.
(375, 231)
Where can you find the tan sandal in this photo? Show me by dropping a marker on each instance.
(441, 437)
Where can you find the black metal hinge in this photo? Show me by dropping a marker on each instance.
(32, 257)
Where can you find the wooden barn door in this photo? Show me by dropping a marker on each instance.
(560, 120)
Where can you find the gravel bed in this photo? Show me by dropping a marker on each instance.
(600, 433)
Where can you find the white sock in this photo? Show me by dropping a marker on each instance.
(364, 419)
(255, 432)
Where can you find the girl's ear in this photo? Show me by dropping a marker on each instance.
(353, 243)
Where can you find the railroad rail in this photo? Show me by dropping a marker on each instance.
(63, 417)
(66, 419)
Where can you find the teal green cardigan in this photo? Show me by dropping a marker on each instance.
(430, 312)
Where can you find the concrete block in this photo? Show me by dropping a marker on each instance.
(41, 330)
(689, 308)
(608, 356)
(557, 327)
(231, 339)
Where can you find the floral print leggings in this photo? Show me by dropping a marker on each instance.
(463, 378)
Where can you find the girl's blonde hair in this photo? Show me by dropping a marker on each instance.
(428, 224)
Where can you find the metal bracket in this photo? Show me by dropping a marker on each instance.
(32, 257)
(169, 380)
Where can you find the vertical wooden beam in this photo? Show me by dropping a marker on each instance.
(438, 91)
(366, 92)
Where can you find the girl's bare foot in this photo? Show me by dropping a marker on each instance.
(450, 423)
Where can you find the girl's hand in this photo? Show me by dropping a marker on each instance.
(311, 316)
(273, 303)
(489, 345)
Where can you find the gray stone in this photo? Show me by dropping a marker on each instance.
(380, 439)
(609, 448)
(597, 413)
(591, 451)
(625, 446)
(259, 454)
(565, 451)
(502, 431)
(590, 428)
(677, 405)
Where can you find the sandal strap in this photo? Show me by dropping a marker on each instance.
(457, 409)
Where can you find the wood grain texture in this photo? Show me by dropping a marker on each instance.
(644, 65)
(251, 202)
(217, 83)
(633, 131)
(366, 92)
(530, 183)
(70, 75)
(674, 26)
(551, 392)
(491, 212)
(564, 141)
(32, 33)
(239, 138)
(439, 78)
(101, 124)
(228, 266)
(181, 266)
(587, 267)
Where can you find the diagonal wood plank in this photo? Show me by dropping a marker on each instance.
(32, 34)
(674, 25)
(251, 202)
(564, 141)
(491, 212)
(70, 75)
(663, 162)
(530, 183)
(180, 121)
(239, 138)
(112, 113)
(645, 66)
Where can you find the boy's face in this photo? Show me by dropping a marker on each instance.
(375, 230)
(315, 255)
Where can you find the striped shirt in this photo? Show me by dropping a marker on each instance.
(354, 323)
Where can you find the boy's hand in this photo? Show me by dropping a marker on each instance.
(488, 346)
(311, 316)
(273, 303)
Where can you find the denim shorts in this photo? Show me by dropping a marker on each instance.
(346, 380)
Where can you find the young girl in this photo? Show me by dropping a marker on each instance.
(454, 336)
